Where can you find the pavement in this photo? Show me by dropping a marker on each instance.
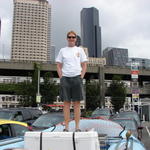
(146, 134)
(146, 123)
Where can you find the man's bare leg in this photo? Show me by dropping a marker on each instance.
(77, 113)
(66, 113)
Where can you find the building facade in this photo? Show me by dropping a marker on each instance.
(91, 31)
(31, 35)
(143, 62)
(116, 56)
(51, 54)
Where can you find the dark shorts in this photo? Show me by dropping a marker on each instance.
(71, 88)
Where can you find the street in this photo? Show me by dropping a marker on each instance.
(146, 135)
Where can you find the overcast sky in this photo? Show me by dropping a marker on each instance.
(124, 23)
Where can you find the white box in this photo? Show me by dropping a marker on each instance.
(61, 141)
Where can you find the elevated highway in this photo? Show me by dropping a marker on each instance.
(9, 68)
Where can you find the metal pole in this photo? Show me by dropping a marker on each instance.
(38, 96)
(38, 89)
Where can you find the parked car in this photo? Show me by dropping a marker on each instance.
(129, 124)
(111, 135)
(20, 114)
(47, 120)
(9, 129)
(105, 113)
(130, 114)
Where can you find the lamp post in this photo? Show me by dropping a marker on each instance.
(38, 95)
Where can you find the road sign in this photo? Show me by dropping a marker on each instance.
(135, 96)
(134, 76)
(135, 91)
(38, 99)
(136, 72)
(135, 66)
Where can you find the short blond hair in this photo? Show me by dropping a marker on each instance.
(71, 32)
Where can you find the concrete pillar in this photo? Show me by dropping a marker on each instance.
(102, 89)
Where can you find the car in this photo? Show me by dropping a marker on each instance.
(112, 135)
(10, 129)
(20, 114)
(130, 114)
(47, 120)
(129, 124)
(105, 113)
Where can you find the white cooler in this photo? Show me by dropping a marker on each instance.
(61, 141)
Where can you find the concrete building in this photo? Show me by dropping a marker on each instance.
(116, 56)
(143, 63)
(9, 101)
(51, 54)
(31, 35)
(91, 31)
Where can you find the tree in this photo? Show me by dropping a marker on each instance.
(92, 95)
(25, 90)
(49, 89)
(117, 90)
(28, 89)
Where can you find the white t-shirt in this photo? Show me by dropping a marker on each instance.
(71, 59)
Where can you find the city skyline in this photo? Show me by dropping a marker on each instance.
(124, 24)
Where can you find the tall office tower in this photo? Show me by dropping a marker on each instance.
(31, 30)
(116, 56)
(91, 31)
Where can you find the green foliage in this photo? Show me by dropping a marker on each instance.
(28, 89)
(49, 89)
(92, 95)
(25, 89)
(117, 90)
(8, 88)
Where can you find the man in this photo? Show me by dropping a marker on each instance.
(71, 67)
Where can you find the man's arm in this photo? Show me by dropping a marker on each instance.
(59, 69)
(84, 68)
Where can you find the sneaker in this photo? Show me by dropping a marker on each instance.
(77, 130)
(65, 130)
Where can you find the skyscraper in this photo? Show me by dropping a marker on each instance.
(31, 30)
(116, 56)
(91, 31)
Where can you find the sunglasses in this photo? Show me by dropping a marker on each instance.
(71, 37)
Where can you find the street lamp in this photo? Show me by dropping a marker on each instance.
(38, 95)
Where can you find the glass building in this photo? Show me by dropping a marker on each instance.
(91, 31)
